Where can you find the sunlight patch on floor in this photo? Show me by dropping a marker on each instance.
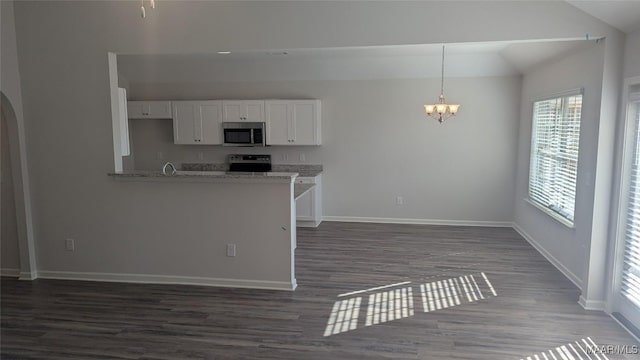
(389, 305)
(446, 293)
(581, 349)
(396, 301)
(344, 316)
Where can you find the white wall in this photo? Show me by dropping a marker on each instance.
(65, 85)
(567, 246)
(378, 144)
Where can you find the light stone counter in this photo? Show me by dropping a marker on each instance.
(222, 176)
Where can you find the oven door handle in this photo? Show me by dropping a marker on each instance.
(251, 142)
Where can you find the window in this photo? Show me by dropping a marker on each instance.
(554, 155)
(631, 264)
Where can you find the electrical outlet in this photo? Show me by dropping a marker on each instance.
(200, 156)
(302, 157)
(160, 155)
(70, 244)
(231, 250)
(285, 157)
(399, 200)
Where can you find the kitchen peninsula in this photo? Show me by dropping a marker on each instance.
(207, 225)
(226, 229)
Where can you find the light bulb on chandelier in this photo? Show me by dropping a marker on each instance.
(143, 11)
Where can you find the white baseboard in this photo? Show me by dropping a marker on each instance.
(624, 326)
(595, 305)
(417, 221)
(26, 275)
(168, 279)
(308, 223)
(563, 269)
(9, 272)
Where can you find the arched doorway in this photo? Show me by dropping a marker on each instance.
(19, 229)
(9, 249)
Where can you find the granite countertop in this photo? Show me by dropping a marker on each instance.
(302, 170)
(208, 175)
(301, 189)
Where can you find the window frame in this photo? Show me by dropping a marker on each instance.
(555, 215)
(616, 303)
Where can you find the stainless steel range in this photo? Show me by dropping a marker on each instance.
(249, 163)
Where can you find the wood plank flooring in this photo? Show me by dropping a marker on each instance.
(366, 291)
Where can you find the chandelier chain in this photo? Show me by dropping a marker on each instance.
(442, 75)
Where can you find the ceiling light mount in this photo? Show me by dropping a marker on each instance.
(441, 111)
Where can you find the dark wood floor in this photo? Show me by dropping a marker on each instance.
(439, 303)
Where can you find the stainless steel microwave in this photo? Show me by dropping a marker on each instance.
(243, 134)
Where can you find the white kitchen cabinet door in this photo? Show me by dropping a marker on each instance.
(293, 122)
(305, 206)
(278, 118)
(149, 109)
(305, 122)
(187, 123)
(124, 122)
(232, 111)
(253, 110)
(243, 110)
(211, 115)
(197, 122)
(309, 205)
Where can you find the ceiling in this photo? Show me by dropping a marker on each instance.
(623, 15)
(348, 63)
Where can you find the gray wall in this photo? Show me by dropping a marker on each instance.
(63, 63)
(10, 258)
(378, 144)
(566, 245)
(632, 55)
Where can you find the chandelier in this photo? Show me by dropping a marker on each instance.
(143, 12)
(441, 111)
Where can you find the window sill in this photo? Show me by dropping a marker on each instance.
(552, 214)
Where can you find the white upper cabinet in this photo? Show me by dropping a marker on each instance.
(305, 120)
(278, 122)
(243, 111)
(149, 109)
(197, 122)
(293, 122)
(124, 122)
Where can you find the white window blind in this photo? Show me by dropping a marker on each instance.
(631, 268)
(554, 154)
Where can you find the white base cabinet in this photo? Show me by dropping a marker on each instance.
(197, 122)
(293, 122)
(149, 109)
(309, 205)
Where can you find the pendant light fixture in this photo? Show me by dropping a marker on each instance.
(143, 11)
(441, 111)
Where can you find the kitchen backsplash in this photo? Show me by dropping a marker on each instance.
(302, 169)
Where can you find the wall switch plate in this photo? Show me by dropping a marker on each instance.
(231, 250)
(160, 155)
(285, 157)
(399, 200)
(200, 156)
(302, 157)
(70, 244)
